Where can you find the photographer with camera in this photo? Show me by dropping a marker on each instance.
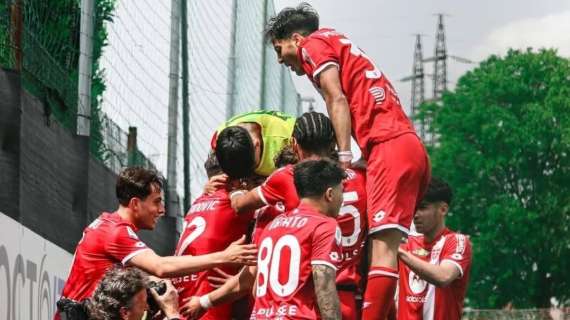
(123, 294)
(111, 239)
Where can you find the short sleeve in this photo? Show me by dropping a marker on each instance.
(275, 188)
(316, 55)
(123, 244)
(326, 245)
(457, 250)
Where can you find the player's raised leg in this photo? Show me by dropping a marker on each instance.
(396, 179)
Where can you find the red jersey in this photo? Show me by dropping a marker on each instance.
(419, 300)
(288, 248)
(210, 225)
(263, 216)
(376, 112)
(108, 240)
(279, 189)
(352, 222)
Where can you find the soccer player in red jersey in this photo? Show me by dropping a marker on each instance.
(360, 100)
(210, 225)
(298, 257)
(112, 239)
(313, 138)
(434, 266)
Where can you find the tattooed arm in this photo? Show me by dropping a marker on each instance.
(325, 289)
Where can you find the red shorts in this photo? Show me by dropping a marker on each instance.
(348, 307)
(397, 177)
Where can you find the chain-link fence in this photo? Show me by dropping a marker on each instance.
(231, 70)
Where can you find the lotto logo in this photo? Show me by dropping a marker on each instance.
(379, 216)
(280, 206)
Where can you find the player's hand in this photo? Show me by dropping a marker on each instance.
(167, 302)
(344, 165)
(220, 279)
(238, 252)
(192, 308)
(215, 183)
(361, 164)
(401, 251)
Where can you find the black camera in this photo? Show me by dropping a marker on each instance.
(160, 288)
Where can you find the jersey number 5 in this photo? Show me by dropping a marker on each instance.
(351, 197)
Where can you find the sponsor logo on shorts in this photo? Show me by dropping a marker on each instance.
(379, 216)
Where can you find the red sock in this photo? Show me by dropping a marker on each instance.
(379, 294)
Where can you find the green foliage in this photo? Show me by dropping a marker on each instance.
(50, 45)
(503, 144)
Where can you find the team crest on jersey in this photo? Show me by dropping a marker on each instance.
(338, 236)
(421, 252)
(417, 284)
(457, 256)
(132, 234)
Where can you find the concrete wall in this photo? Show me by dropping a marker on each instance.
(48, 181)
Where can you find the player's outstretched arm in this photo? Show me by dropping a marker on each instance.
(235, 288)
(439, 275)
(324, 279)
(237, 253)
(246, 201)
(337, 107)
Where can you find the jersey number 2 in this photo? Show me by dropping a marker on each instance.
(200, 226)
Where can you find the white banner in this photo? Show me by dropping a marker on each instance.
(32, 272)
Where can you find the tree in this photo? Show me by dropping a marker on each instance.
(503, 143)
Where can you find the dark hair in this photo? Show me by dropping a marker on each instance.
(212, 165)
(285, 156)
(314, 133)
(314, 177)
(116, 290)
(438, 190)
(136, 182)
(235, 152)
(303, 19)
